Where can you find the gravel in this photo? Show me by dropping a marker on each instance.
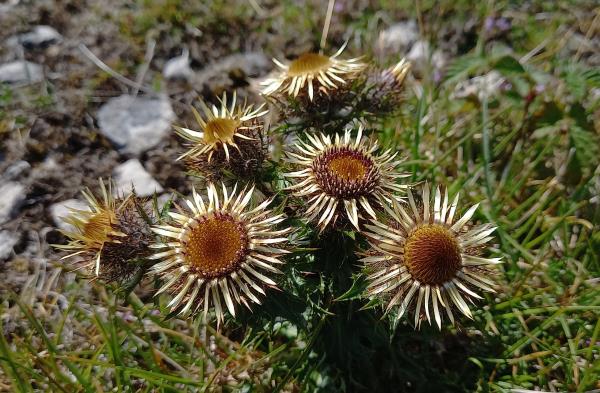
(12, 195)
(7, 241)
(398, 38)
(39, 37)
(178, 67)
(18, 72)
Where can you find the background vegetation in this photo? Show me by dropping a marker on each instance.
(527, 148)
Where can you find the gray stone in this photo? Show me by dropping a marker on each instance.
(252, 63)
(21, 72)
(420, 54)
(419, 51)
(16, 170)
(7, 241)
(12, 195)
(398, 38)
(8, 6)
(178, 67)
(40, 36)
(484, 86)
(132, 175)
(135, 124)
(62, 209)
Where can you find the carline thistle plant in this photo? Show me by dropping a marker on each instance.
(231, 136)
(110, 238)
(220, 252)
(327, 72)
(426, 256)
(343, 174)
(365, 92)
(233, 241)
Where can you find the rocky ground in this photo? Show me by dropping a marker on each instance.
(66, 122)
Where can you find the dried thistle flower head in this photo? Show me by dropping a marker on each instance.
(343, 174)
(111, 237)
(221, 128)
(399, 72)
(245, 162)
(370, 94)
(327, 71)
(384, 88)
(219, 252)
(424, 258)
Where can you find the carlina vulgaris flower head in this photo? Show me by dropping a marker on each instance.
(344, 175)
(399, 72)
(221, 128)
(111, 237)
(245, 162)
(327, 71)
(220, 251)
(424, 258)
(384, 88)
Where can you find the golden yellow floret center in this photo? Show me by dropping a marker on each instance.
(308, 63)
(215, 246)
(98, 227)
(348, 168)
(432, 254)
(220, 129)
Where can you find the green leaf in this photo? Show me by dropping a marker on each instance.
(476, 361)
(593, 77)
(464, 66)
(586, 145)
(509, 65)
(371, 304)
(356, 290)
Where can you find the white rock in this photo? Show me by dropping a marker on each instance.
(419, 51)
(439, 60)
(252, 63)
(484, 86)
(131, 174)
(16, 170)
(398, 37)
(21, 72)
(178, 67)
(419, 57)
(7, 241)
(40, 36)
(8, 6)
(12, 194)
(135, 124)
(60, 210)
